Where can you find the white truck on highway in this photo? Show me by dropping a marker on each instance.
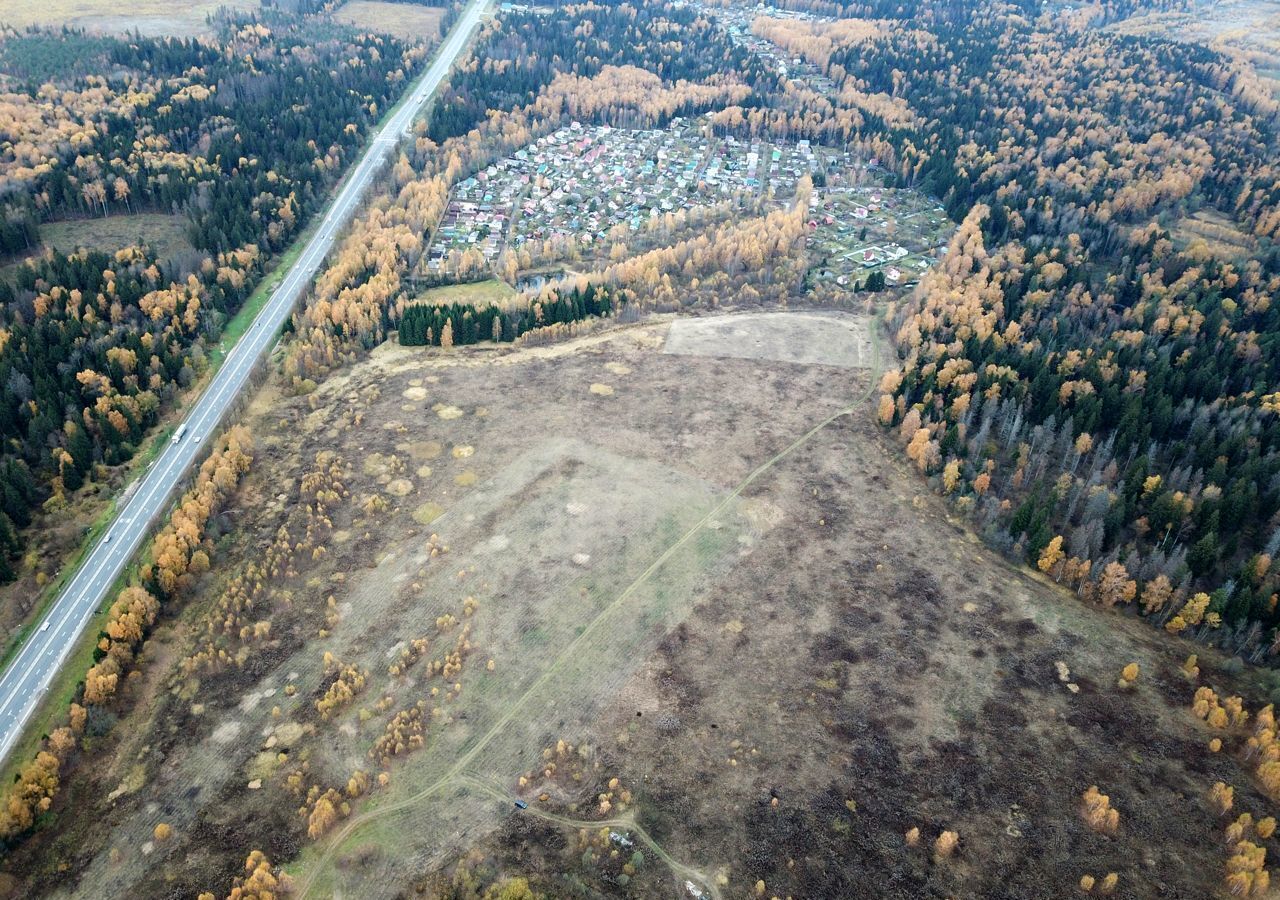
(177, 435)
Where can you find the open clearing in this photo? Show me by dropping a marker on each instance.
(709, 595)
(815, 339)
(164, 234)
(475, 293)
(151, 18)
(403, 20)
(1220, 235)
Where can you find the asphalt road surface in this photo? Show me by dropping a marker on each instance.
(28, 676)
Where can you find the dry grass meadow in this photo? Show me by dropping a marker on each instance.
(166, 234)
(402, 20)
(163, 233)
(151, 18)
(685, 594)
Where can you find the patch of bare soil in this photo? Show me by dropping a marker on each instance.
(809, 338)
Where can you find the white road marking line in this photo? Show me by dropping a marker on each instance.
(100, 569)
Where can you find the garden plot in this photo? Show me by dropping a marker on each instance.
(863, 229)
(826, 339)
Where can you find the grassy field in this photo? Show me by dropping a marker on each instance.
(659, 579)
(476, 293)
(595, 621)
(165, 234)
(149, 17)
(400, 19)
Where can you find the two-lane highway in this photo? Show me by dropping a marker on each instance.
(28, 677)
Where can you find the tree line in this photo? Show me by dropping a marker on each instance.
(1099, 395)
(457, 324)
(181, 552)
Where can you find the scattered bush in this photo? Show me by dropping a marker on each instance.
(1098, 813)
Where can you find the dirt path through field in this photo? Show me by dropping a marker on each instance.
(627, 822)
(458, 770)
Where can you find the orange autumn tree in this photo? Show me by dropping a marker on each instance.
(177, 547)
(178, 556)
(31, 795)
(260, 881)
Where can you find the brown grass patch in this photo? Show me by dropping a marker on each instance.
(403, 20)
(152, 18)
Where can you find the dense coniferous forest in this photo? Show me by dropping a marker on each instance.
(457, 324)
(522, 56)
(242, 136)
(1100, 397)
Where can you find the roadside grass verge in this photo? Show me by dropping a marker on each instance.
(237, 325)
(62, 689)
